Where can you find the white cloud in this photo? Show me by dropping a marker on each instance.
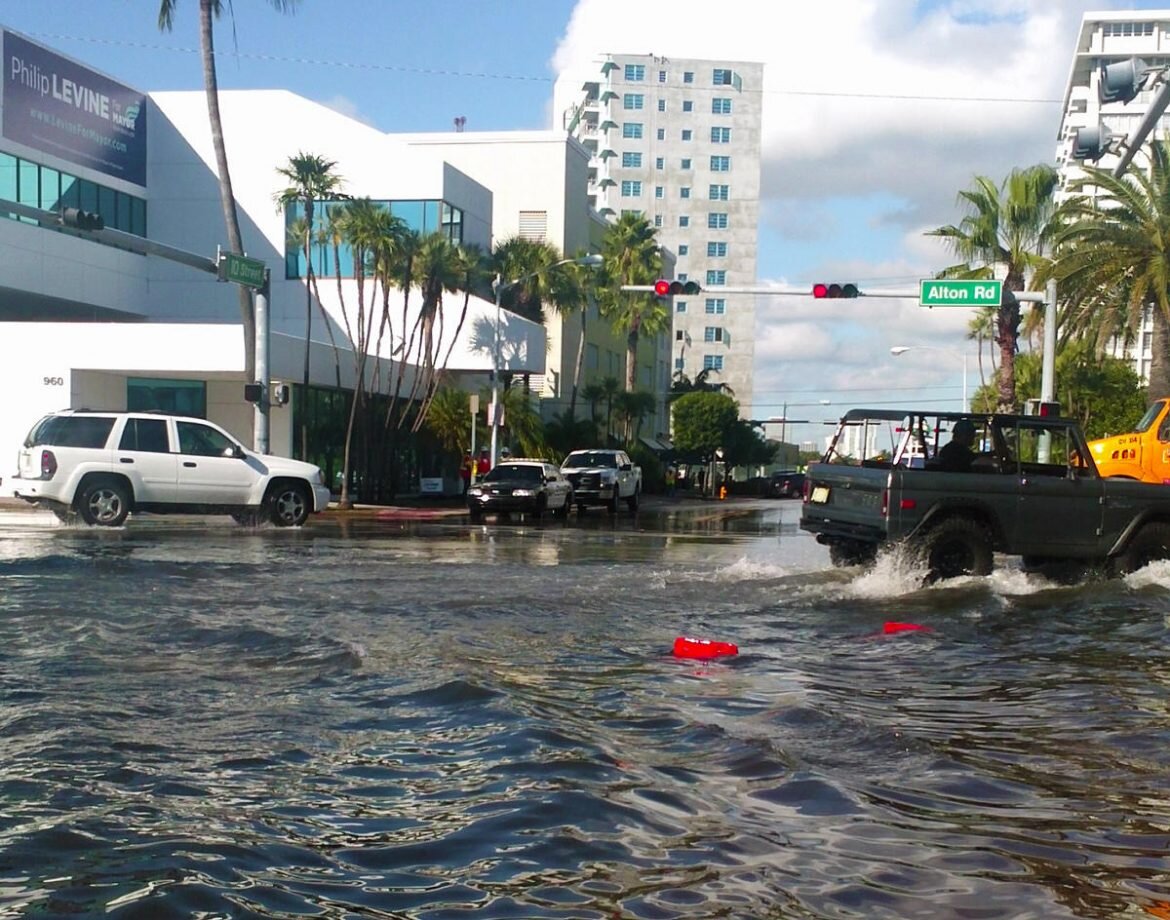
(893, 102)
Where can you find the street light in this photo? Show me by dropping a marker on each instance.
(899, 350)
(500, 286)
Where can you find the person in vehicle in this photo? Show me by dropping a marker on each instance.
(956, 455)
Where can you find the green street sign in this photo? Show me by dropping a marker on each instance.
(241, 270)
(940, 293)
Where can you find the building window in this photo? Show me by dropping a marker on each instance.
(632, 129)
(631, 188)
(1127, 29)
(678, 335)
(179, 397)
(684, 221)
(631, 212)
(688, 106)
(683, 249)
(678, 364)
(718, 192)
(713, 334)
(721, 77)
(662, 76)
(720, 164)
(716, 277)
(657, 220)
(716, 250)
(660, 163)
(712, 362)
(715, 306)
(659, 191)
(684, 192)
(534, 225)
(688, 77)
(661, 134)
(720, 106)
(682, 276)
(680, 306)
(720, 135)
(635, 73)
(632, 100)
(631, 160)
(686, 135)
(686, 162)
(717, 220)
(662, 105)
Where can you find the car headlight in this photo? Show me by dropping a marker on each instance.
(524, 493)
(475, 490)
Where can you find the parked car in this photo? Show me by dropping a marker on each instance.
(529, 487)
(102, 466)
(785, 484)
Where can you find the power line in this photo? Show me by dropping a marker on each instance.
(523, 78)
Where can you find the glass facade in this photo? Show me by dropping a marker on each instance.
(179, 397)
(29, 183)
(423, 217)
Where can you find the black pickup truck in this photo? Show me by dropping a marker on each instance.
(1025, 486)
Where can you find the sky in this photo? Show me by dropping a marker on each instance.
(876, 114)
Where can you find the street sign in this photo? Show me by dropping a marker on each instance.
(939, 293)
(241, 270)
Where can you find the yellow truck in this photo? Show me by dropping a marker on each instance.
(1143, 453)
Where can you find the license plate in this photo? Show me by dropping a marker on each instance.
(820, 495)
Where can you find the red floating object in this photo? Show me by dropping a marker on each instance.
(893, 626)
(686, 647)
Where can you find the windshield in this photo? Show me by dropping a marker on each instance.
(1150, 417)
(591, 458)
(513, 471)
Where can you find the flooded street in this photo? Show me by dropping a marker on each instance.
(429, 719)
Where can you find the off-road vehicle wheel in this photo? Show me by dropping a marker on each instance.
(953, 547)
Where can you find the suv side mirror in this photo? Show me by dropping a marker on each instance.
(626, 467)
(236, 451)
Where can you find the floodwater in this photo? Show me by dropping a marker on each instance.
(434, 720)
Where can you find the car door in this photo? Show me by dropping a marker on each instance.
(209, 472)
(144, 454)
(557, 485)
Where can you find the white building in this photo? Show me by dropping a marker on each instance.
(1105, 38)
(678, 140)
(87, 321)
(539, 181)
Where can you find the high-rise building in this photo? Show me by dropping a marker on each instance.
(678, 140)
(1105, 38)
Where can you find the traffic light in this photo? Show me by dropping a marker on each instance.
(82, 220)
(834, 290)
(1091, 143)
(253, 392)
(664, 287)
(1039, 407)
(1120, 81)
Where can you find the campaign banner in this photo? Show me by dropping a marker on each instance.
(62, 108)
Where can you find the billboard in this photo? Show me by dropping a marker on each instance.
(62, 108)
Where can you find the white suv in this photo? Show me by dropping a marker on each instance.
(104, 465)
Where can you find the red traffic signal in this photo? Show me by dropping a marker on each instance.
(666, 288)
(834, 290)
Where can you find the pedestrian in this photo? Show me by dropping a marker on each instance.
(466, 469)
(671, 480)
(484, 465)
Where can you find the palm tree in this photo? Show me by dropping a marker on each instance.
(610, 388)
(518, 257)
(310, 178)
(438, 268)
(1007, 229)
(632, 409)
(1113, 258)
(631, 256)
(592, 393)
(574, 291)
(682, 384)
(208, 11)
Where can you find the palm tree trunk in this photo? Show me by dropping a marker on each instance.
(308, 328)
(1007, 328)
(631, 359)
(580, 360)
(227, 198)
(1159, 385)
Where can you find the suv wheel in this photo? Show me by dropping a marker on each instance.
(288, 504)
(104, 502)
(956, 546)
(1150, 544)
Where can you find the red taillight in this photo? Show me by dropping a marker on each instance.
(48, 464)
(806, 490)
(908, 504)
